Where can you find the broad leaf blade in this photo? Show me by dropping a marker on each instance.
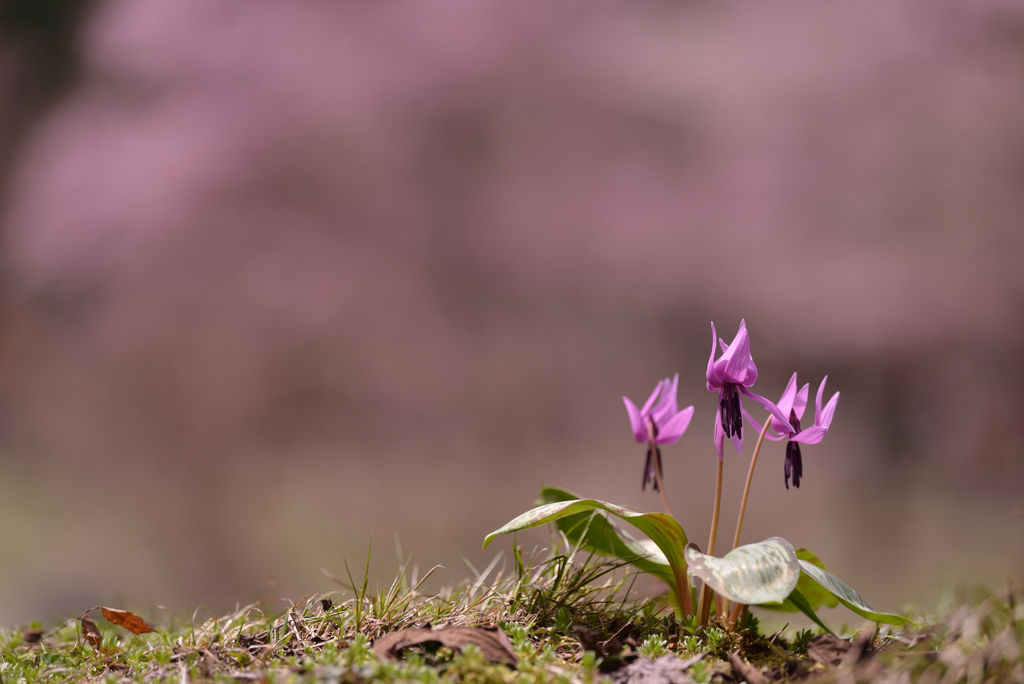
(765, 572)
(848, 597)
(662, 528)
(594, 532)
(813, 593)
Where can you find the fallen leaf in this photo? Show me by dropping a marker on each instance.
(591, 641)
(130, 621)
(491, 641)
(32, 636)
(90, 632)
(827, 649)
(861, 646)
(745, 670)
(609, 650)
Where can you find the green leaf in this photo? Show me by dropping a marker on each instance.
(662, 528)
(848, 597)
(594, 532)
(800, 603)
(765, 572)
(813, 593)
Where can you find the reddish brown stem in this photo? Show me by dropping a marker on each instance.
(705, 597)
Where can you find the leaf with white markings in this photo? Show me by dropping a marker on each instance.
(765, 572)
(815, 596)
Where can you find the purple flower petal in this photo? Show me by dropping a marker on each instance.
(714, 379)
(811, 435)
(635, 420)
(719, 435)
(737, 441)
(824, 418)
(758, 426)
(752, 420)
(667, 405)
(829, 410)
(673, 391)
(734, 363)
(674, 428)
(817, 401)
(800, 402)
(751, 377)
(788, 396)
(646, 410)
(770, 408)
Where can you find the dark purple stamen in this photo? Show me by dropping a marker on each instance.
(649, 474)
(729, 410)
(794, 464)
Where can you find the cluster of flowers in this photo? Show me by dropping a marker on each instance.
(659, 420)
(765, 573)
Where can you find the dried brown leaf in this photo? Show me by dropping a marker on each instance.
(32, 636)
(591, 641)
(491, 641)
(130, 621)
(90, 632)
(827, 649)
(861, 646)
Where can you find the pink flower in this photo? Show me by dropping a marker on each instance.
(794, 403)
(659, 422)
(730, 376)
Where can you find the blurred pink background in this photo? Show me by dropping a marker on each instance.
(277, 277)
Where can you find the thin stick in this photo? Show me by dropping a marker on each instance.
(705, 597)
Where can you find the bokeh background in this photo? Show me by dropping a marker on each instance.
(276, 277)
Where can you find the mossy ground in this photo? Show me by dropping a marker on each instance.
(551, 611)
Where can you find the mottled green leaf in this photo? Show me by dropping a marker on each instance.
(593, 532)
(662, 528)
(765, 572)
(813, 593)
(848, 597)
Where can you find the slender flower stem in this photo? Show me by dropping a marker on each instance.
(750, 478)
(705, 597)
(661, 482)
(734, 614)
(743, 503)
(657, 467)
